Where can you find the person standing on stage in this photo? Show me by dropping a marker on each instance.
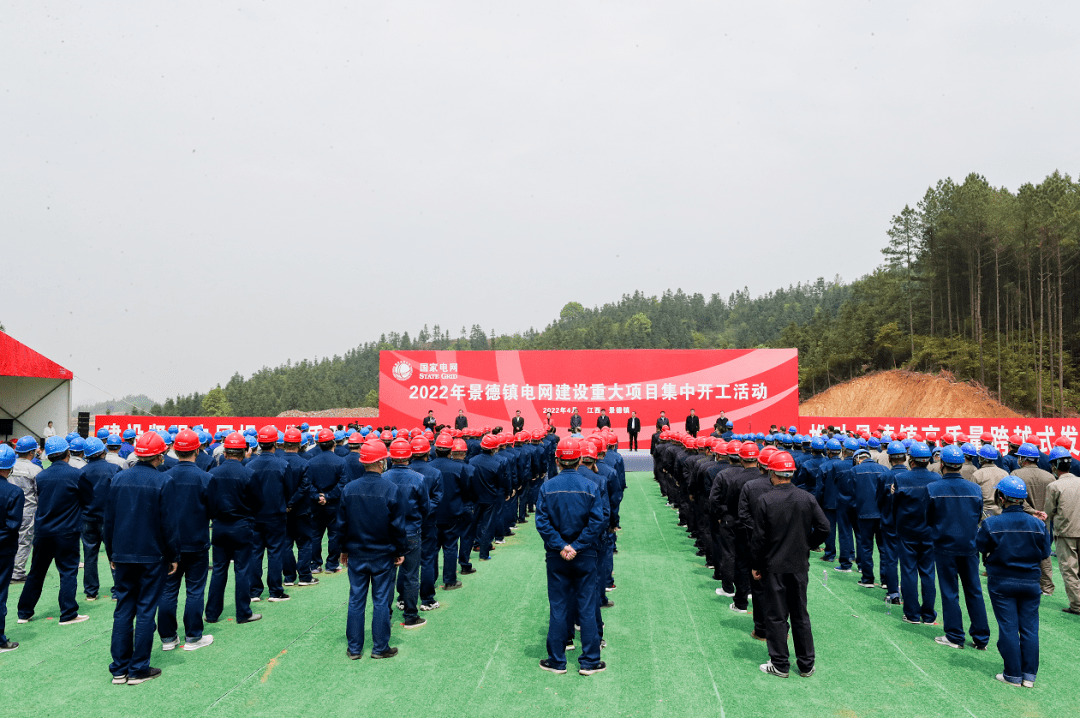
(633, 428)
(517, 422)
(693, 424)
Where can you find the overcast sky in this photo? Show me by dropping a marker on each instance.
(191, 189)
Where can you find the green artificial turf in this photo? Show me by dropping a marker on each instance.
(674, 649)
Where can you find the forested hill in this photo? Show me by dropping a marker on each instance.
(977, 280)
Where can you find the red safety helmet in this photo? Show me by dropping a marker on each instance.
(931, 436)
(356, 438)
(420, 445)
(235, 440)
(781, 462)
(719, 446)
(445, 441)
(268, 434)
(293, 435)
(187, 440)
(901, 435)
(150, 444)
(961, 438)
(947, 440)
(987, 438)
(733, 447)
(588, 450)
(765, 454)
(372, 451)
(400, 449)
(324, 435)
(459, 445)
(748, 450)
(1061, 441)
(704, 442)
(490, 441)
(919, 437)
(1016, 440)
(429, 433)
(386, 435)
(568, 449)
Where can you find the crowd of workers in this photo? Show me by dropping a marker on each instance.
(931, 505)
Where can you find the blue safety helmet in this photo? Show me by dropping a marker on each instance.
(174, 430)
(102, 434)
(886, 437)
(862, 452)
(339, 436)
(26, 444)
(833, 445)
(1013, 487)
(1028, 451)
(989, 451)
(197, 428)
(304, 426)
(851, 444)
(817, 444)
(952, 456)
(792, 430)
(77, 444)
(129, 434)
(252, 441)
(969, 449)
(365, 431)
(806, 439)
(785, 439)
(71, 435)
(55, 445)
(281, 437)
(863, 443)
(205, 437)
(7, 457)
(250, 431)
(1059, 452)
(94, 446)
(896, 448)
(907, 443)
(919, 450)
(935, 449)
(873, 443)
(113, 440)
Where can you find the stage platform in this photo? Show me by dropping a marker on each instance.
(640, 460)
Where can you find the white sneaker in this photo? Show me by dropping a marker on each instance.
(944, 641)
(27, 620)
(256, 599)
(429, 606)
(170, 645)
(498, 542)
(772, 670)
(736, 609)
(722, 592)
(312, 582)
(206, 640)
(288, 583)
(279, 599)
(1027, 684)
(78, 619)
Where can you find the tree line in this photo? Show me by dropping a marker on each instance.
(979, 281)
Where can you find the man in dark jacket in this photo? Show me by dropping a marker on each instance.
(296, 568)
(693, 424)
(328, 477)
(451, 515)
(142, 539)
(603, 421)
(575, 422)
(11, 513)
(517, 422)
(461, 421)
(100, 474)
(274, 476)
(63, 495)
(787, 522)
(633, 428)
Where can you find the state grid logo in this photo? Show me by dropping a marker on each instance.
(402, 370)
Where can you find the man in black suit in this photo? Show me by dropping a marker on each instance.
(633, 426)
(460, 422)
(429, 421)
(518, 422)
(603, 421)
(575, 422)
(693, 424)
(662, 422)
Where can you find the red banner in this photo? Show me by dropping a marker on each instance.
(1043, 432)
(754, 387)
(118, 423)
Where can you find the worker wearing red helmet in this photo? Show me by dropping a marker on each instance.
(733, 483)
(459, 455)
(598, 474)
(492, 483)
(143, 543)
(328, 477)
(613, 492)
(429, 532)
(503, 518)
(787, 522)
(369, 528)
(299, 527)
(416, 507)
(186, 484)
(233, 497)
(569, 518)
(278, 488)
(451, 515)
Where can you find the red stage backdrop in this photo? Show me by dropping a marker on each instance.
(754, 387)
(1042, 431)
(117, 423)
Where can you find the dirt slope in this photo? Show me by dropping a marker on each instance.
(905, 393)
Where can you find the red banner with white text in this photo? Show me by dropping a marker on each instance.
(1042, 432)
(116, 423)
(753, 387)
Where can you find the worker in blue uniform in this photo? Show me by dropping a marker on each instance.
(429, 531)
(910, 501)
(100, 473)
(186, 487)
(868, 479)
(63, 495)
(841, 477)
(328, 477)
(296, 568)
(896, 456)
(276, 484)
(492, 482)
(233, 497)
(369, 528)
(459, 455)
(825, 493)
(11, 514)
(142, 539)
(1013, 544)
(953, 514)
(614, 488)
(451, 516)
(127, 446)
(569, 518)
(415, 505)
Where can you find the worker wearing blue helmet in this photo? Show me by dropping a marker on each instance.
(953, 514)
(1037, 481)
(99, 473)
(1063, 515)
(910, 503)
(128, 444)
(896, 456)
(1013, 544)
(847, 517)
(24, 475)
(868, 482)
(11, 515)
(825, 493)
(987, 477)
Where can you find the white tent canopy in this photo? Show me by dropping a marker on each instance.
(34, 390)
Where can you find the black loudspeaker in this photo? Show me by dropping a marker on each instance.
(84, 424)
(7, 427)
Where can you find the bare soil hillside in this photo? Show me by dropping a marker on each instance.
(357, 413)
(905, 393)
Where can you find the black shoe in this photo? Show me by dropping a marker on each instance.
(8, 646)
(700, 552)
(151, 674)
(388, 653)
(452, 586)
(254, 617)
(547, 665)
(354, 656)
(468, 570)
(595, 669)
(414, 622)
(510, 533)
(18, 580)
(211, 620)
(1073, 611)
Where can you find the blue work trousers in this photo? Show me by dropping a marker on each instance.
(7, 565)
(482, 522)
(268, 535)
(847, 522)
(231, 542)
(917, 571)
(138, 592)
(869, 529)
(951, 572)
(1016, 608)
(429, 560)
(378, 573)
(408, 576)
(448, 537)
(298, 530)
(890, 556)
(830, 539)
(64, 551)
(193, 569)
(468, 537)
(91, 545)
(322, 517)
(572, 583)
